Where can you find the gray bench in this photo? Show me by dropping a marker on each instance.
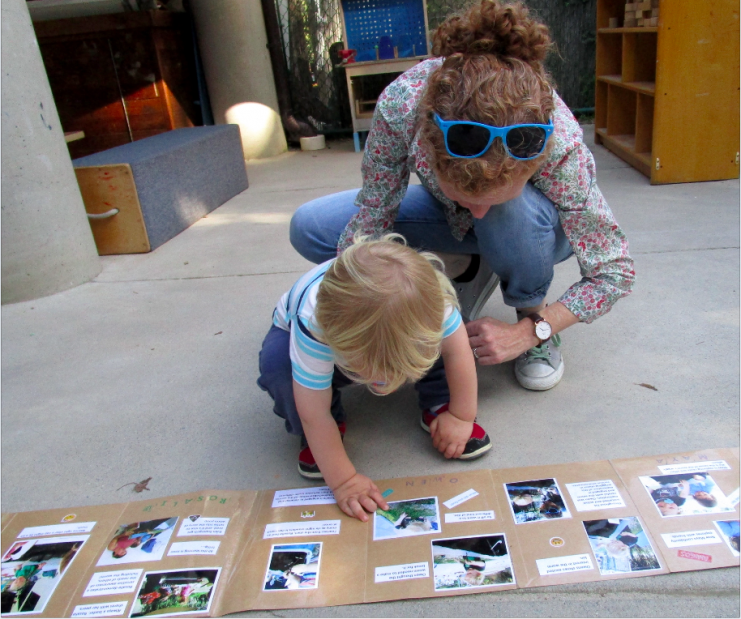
(142, 194)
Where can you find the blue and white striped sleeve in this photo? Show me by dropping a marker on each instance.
(312, 362)
(451, 320)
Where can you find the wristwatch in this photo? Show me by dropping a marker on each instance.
(543, 330)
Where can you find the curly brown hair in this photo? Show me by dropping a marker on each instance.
(493, 73)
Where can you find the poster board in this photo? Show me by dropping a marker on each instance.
(216, 552)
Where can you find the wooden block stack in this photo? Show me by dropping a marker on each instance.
(641, 14)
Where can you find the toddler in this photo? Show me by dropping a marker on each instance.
(380, 314)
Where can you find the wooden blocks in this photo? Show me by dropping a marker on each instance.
(641, 14)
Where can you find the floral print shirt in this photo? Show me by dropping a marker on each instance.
(567, 178)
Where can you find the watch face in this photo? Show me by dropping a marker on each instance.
(543, 330)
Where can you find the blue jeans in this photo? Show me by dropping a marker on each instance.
(521, 239)
(276, 377)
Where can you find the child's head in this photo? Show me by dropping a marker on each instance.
(705, 498)
(617, 549)
(667, 507)
(380, 308)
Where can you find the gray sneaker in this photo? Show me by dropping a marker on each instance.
(541, 367)
(474, 287)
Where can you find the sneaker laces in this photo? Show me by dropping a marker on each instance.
(542, 351)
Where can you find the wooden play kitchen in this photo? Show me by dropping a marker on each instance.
(667, 90)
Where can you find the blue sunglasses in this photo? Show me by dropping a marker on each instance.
(467, 139)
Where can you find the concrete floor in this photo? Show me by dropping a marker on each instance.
(149, 371)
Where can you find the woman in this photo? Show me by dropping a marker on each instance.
(505, 176)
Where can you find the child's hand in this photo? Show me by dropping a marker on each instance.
(358, 495)
(450, 434)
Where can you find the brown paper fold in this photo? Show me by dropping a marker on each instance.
(348, 561)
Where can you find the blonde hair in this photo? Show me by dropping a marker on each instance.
(380, 308)
(493, 74)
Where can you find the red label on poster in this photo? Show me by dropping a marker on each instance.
(697, 556)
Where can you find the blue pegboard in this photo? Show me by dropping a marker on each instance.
(400, 23)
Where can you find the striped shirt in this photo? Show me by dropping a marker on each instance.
(313, 361)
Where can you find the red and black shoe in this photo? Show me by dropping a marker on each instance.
(477, 445)
(307, 466)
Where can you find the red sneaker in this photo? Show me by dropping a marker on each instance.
(307, 466)
(477, 445)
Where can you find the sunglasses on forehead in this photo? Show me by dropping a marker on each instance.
(467, 139)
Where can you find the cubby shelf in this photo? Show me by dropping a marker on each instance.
(667, 97)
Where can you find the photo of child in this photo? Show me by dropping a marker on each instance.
(729, 531)
(407, 518)
(177, 592)
(535, 500)
(477, 561)
(293, 566)
(29, 574)
(686, 494)
(620, 546)
(139, 541)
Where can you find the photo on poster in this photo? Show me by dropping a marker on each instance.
(536, 500)
(686, 494)
(729, 531)
(407, 518)
(469, 562)
(138, 541)
(620, 546)
(176, 592)
(293, 566)
(30, 574)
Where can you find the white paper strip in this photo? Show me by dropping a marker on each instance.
(591, 495)
(694, 467)
(691, 538)
(390, 573)
(564, 565)
(112, 609)
(461, 498)
(203, 526)
(179, 549)
(303, 496)
(112, 583)
(71, 528)
(298, 529)
(468, 516)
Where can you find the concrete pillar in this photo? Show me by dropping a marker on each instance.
(47, 244)
(236, 63)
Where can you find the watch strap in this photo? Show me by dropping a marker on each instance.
(536, 318)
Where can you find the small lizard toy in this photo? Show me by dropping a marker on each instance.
(138, 487)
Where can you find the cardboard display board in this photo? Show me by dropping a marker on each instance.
(214, 552)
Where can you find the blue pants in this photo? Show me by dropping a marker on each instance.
(521, 240)
(276, 378)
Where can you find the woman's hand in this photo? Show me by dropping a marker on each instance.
(359, 495)
(496, 342)
(450, 434)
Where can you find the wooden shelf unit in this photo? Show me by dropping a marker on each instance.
(667, 97)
